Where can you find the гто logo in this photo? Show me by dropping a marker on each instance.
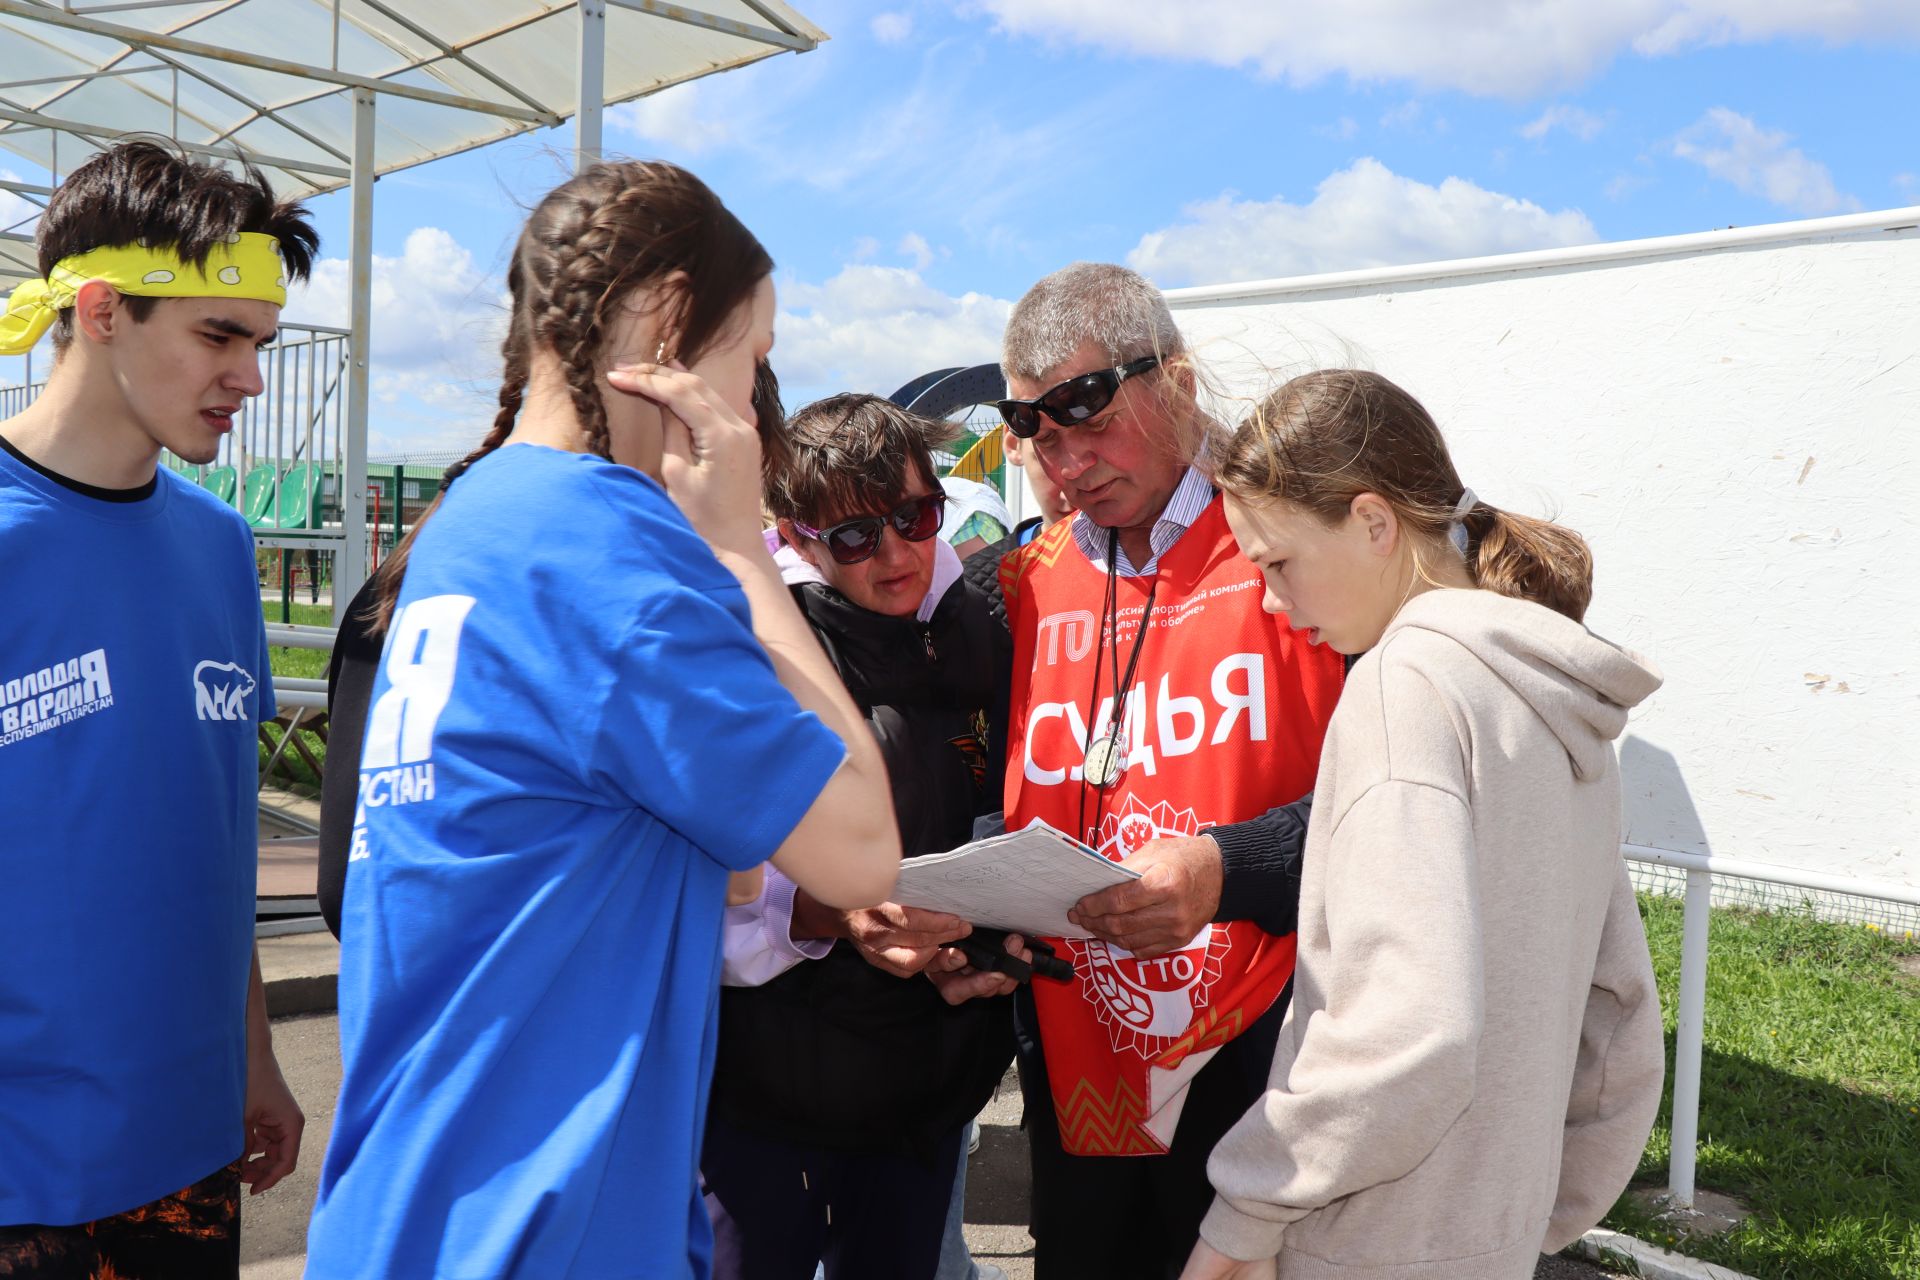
(1146, 1003)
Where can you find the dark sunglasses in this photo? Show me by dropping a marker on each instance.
(852, 541)
(1073, 401)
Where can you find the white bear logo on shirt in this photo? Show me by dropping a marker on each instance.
(220, 690)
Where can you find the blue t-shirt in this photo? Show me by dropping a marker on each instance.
(572, 739)
(133, 675)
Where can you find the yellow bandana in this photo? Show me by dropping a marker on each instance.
(246, 265)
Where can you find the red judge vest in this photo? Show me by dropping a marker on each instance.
(1223, 722)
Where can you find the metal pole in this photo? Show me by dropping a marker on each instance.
(591, 88)
(712, 22)
(1690, 1027)
(352, 569)
(147, 41)
(278, 356)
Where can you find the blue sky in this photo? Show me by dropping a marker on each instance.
(916, 173)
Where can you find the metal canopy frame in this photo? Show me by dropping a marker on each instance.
(316, 128)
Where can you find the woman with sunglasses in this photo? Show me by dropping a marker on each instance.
(841, 1146)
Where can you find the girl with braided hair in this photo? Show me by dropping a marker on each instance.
(595, 701)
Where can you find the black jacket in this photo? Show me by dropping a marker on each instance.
(834, 1052)
(356, 659)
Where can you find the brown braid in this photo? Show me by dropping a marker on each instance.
(570, 324)
(609, 231)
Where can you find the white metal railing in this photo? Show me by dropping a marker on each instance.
(304, 693)
(1691, 999)
(300, 416)
(15, 398)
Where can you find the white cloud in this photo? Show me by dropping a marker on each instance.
(439, 316)
(1581, 123)
(873, 328)
(1691, 23)
(1760, 162)
(676, 118)
(1907, 184)
(1362, 216)
(891, 28)
(1340, 130)
(1412, 117)
(1398, 117)
(1625, 184)
(1511, 49)
(438, 319)
(914, 245)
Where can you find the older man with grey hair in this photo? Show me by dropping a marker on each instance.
(1160, 715)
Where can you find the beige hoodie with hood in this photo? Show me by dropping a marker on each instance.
(1473, 1057)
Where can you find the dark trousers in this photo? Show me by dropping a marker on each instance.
(193, 1234)
(779, 1207)
(1133, 1217)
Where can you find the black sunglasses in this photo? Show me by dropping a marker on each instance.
(1073, 401)
(852, 541)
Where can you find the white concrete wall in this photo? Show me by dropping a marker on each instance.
(1734, 423)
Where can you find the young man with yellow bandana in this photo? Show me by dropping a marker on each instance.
(138, 1086)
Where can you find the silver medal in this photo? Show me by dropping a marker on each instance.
(1106, 761)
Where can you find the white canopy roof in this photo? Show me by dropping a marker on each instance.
(331, 93)
(276, 78)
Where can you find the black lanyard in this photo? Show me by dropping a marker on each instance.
(1110, 632)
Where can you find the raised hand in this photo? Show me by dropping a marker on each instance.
(710, 462)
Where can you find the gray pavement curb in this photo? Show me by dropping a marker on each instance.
(300, 972)
(1653, 1262)
(288, 997)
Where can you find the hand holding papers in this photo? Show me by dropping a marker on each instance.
(1025, 882)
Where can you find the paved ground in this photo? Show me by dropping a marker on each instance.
(274, 1239)
(273, 1236)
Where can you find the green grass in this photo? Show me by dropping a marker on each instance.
(1809, 1095)
(306, 663)
(309, 663)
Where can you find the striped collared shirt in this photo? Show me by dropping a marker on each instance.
(1189, 499)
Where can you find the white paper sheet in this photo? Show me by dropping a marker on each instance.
(1025, 881)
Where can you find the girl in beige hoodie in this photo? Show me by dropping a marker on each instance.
(1473, 1059)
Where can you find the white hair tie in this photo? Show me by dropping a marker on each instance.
(1457, 523)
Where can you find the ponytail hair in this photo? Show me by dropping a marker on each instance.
(609, 231)
(1327, 437)
(1530, 559)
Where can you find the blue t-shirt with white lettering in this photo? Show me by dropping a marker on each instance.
(572, 739)
(133, 676)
